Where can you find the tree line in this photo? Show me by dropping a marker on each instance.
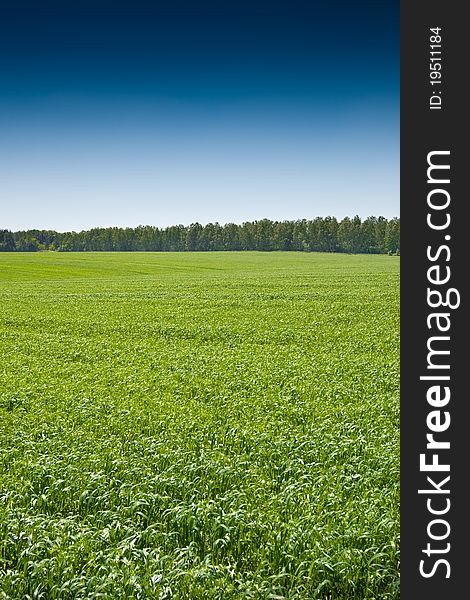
(374, 235)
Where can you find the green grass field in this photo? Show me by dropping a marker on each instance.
(221, 425)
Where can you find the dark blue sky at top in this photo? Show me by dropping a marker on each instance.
(166, 112)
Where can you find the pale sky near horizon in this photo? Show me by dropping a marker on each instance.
(156, 114)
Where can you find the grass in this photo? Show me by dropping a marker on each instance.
(219, 426)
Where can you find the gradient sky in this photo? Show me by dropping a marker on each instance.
(152, 112)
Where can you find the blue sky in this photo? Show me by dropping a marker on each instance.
(149, 112)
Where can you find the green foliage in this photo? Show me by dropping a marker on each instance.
(371, 236)
(7, 241)
(220, 426)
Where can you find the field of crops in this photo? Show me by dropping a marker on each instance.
(199, 425)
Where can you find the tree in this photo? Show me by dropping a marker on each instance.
(392, 237)
(26, 242)
(192, 237)
(322, 234)
(7, 241)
